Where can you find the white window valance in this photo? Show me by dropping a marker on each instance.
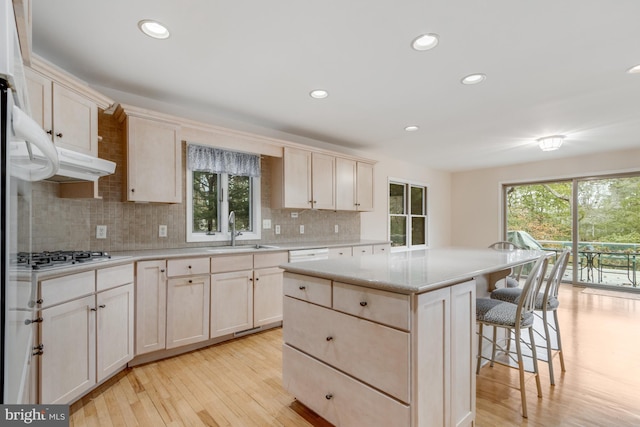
(215, 160)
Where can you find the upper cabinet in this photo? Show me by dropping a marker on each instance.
(354, 185)
(66, 108)
(153, 157)
(305, 180)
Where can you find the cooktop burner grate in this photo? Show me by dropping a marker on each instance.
(38, 260)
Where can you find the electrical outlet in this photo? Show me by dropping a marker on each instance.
(277, 229)
(162, 231)
(101, 232)
(336, 228)
(302, 229)
(266, 224)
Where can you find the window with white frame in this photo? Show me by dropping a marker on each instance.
(407, 215)
(220, 182)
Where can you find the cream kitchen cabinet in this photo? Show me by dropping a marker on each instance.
(354, 185)
(153, 157)
(85, 331)
(151, 306)
(66, 108)
(340, 252)
(304, 179)
(246, 291)
(187, 301)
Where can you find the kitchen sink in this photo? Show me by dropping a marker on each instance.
(240, 248)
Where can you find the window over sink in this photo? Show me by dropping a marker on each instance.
(213, 192)
(407, 215)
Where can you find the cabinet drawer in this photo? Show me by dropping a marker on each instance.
(187, 266)
(111, 277)
(54, 291)
(312, 289)
(346, 251)
(381, 249)
(270, 259)
(226, 263)
(362, 250)
(380, 306)
(341, 400)
(375, 354)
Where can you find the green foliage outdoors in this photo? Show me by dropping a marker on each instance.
(608, 211)
(206, 189)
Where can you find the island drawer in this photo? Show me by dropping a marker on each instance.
(374, 353)
(312, 289)
(380, 306)
(338, 398)
(187, 266)
(346, 251)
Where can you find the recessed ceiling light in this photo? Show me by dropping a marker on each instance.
(425, 42)
(153, 29)
(473, 79)
(634, 70)
(319, 94)
(411, 128)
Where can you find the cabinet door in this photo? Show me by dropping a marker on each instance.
(231, 302)
(297, 178)
(75, 121)
(151, 306)
(154, 161)
(364, 192)
(40, 99)
(345, 184)
(267, 296)
(323, 178)
(187, 310)
(114, 330)
(67, 363)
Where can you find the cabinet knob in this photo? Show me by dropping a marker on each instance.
(328, 396)
(94, 309)
(162, 270)
(30, 321)
(189, 267)
(302, 287)
(59, 134)
(102, 306)
(363, 303)
(329, 338)
(133, 190)
(257, 278)
(190, 281)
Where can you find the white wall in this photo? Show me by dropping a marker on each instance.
(374, 225)
(476, 199)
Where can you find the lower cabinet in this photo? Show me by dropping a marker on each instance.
(187, 310)
(231, 302)
(267, 296)
(151, 306)
(87, 339)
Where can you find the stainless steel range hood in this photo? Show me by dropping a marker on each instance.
(73, 166)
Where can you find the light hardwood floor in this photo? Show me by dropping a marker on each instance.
(238, 383)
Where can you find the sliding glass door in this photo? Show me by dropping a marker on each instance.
(603, 231)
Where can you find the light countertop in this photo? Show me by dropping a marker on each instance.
(416, 271)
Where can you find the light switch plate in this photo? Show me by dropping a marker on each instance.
(162, 231)
(277, 229)
(336, 228)
(302, 229)
(266, 224)
(101, 232)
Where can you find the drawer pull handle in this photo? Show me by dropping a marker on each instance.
(329, 338)
(302, 287)
(363, 303)
(328, 396)
(102, 306)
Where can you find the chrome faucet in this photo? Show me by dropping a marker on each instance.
(232, 223)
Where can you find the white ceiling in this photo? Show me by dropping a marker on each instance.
(553, 67)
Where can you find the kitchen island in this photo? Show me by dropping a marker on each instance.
(388, 339)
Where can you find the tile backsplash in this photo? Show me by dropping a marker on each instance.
(66, 224)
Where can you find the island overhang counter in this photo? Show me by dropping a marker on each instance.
(388, 339)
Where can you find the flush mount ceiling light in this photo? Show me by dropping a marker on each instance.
(153, 29)
(550, 143)
(634, 70)
(411, 128)
(425, 42)
(318, 94)
(473, 79)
